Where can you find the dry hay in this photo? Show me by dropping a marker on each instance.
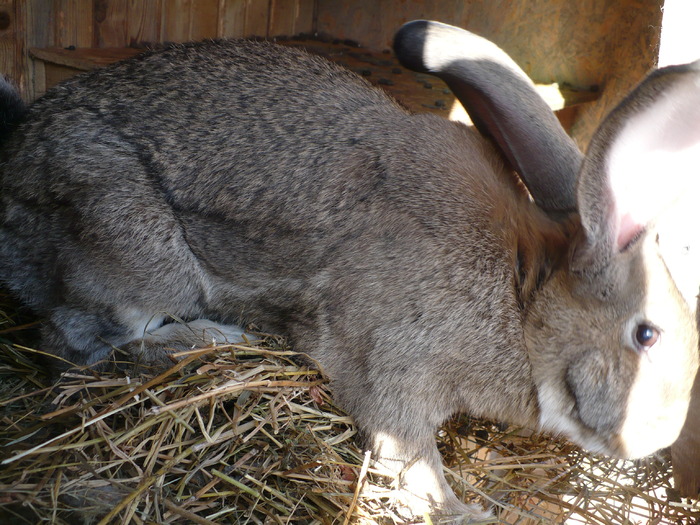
(241, 434)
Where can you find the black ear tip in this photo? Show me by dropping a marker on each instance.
(409, 41)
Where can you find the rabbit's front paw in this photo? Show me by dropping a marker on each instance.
(423, 489)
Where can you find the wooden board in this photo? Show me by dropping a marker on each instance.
(82, 59)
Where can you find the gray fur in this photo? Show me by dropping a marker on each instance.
(241, 181)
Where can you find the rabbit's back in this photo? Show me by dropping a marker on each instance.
(193, 114)
(231, 179)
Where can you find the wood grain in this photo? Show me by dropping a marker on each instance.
(12, 62)
(144, 21)
(74, 23)
(111, 23)
(204, 15)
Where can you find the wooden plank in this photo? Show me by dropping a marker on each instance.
(291, 17)
(21, 67)
(144, 21)
(204, 21)
(420, 92)
(584, 44)
(111, 23)
(231, 21)
(53, 74)
(14, 63)
(83, 59)
(74, 23)
(306, 18)
(176, 20)
(625, 48)
(40, 34)
(282, 13)
(8, 37)
(40, 23)
(581, 44)
(244, 18)
(257, 18)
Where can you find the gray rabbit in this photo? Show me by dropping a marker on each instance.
(233, 181)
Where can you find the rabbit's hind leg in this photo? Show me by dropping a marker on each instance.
(82, 337)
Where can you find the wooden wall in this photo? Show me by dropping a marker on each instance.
(119, 23)
(608, 45)
(124, 23)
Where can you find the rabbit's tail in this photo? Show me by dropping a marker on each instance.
(12, 108)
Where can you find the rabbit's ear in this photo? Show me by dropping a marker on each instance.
(643, 158)
(503, 104)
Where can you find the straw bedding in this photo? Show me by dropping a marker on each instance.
(243, 434)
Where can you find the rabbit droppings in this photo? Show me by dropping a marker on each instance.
(238, 181)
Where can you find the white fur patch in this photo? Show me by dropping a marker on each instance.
(205, 331)
(555, 418)
(422, 485)
(656, 407)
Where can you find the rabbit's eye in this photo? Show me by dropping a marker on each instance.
(646, 336)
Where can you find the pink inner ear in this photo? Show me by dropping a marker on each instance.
(653, 161)
(627, 230)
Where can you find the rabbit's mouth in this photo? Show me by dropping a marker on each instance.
(562, 417)
(560, 414)
(625, 416)
(648, 428)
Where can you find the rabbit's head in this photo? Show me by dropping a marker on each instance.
(612, 342)
(613, 352)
